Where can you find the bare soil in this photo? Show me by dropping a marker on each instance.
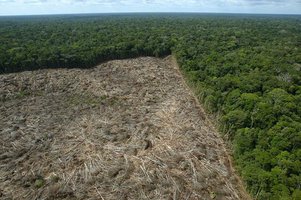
(126, 129)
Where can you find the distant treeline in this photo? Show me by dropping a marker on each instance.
(245, 68)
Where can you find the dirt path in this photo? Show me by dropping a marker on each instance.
(127, 129)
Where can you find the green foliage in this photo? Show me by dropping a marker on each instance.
(235, 119)
(39, 183)
(245, 67)
(245, 140)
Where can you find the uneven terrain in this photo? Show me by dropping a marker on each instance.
(126, 129)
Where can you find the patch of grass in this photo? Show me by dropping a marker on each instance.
(23, 93)
(39, 182)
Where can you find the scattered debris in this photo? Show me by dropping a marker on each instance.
(127, 129)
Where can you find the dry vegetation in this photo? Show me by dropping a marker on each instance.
(127, 129)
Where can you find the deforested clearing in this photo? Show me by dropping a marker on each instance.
(126, 129)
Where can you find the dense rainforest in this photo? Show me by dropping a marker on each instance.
(244, 68)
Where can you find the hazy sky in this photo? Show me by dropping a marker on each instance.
(21, 7)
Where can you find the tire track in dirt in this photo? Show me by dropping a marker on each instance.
(126, 129)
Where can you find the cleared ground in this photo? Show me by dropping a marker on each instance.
(127, 129)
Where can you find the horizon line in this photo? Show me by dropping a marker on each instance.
(142, 12)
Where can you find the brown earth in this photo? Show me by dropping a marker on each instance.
(126, 129)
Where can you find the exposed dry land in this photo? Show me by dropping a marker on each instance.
(126, 129)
